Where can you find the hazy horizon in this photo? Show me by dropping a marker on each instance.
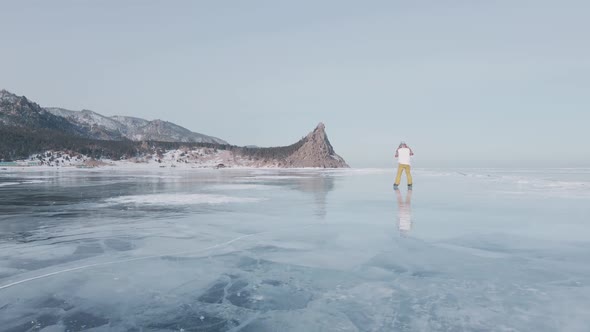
(487, 84)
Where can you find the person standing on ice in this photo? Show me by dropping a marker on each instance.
(403, 155)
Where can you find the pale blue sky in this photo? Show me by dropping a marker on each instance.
(465, 83)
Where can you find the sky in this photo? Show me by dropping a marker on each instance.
(464, 83)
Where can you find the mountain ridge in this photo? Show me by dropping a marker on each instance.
(21, 112)
(133, 128)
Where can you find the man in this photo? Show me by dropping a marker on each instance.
(403, 155)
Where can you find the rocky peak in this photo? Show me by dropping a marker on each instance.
(316, 151)
(9, 97)
(18, 111)
(319, 138)
(13, 104)
(5, 93)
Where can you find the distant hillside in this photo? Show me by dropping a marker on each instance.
(20, 112)
(135, 129)
(157, 130)
(94, 124)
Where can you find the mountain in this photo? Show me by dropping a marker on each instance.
(16, 111)
(135, 129)
(316, 151)
(87, 117)
(95, 125)
(130, 121)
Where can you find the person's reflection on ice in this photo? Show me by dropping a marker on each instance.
(404, 212)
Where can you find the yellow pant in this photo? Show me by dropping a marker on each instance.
(400, 169)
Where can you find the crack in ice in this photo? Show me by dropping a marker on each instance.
(128, 260)
(219, 245)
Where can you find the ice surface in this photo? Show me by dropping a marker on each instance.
(179, 199)
(294, 250)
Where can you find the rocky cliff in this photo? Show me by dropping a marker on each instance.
(316, 151)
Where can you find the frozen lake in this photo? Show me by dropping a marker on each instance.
(297, 250)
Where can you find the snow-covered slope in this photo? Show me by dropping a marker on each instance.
(164, 131)
(135, 129)
(182, 158)
(129, 121)
(96, 125)
(87, 117)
